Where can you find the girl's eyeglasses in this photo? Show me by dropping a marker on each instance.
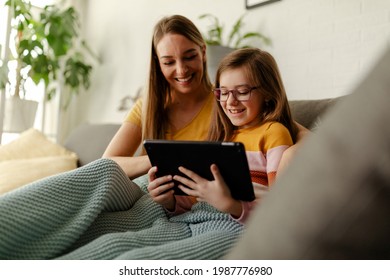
(242, 93)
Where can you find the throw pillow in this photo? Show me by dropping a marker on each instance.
(19, 172)
(31, 144)
(31, 157)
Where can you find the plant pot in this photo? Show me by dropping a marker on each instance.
(214, 57)
(19, 114)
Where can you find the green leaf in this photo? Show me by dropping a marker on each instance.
(235, 39)
(235, 30)
(47, 46)
(3, 75)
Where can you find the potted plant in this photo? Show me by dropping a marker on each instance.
(46, 50)
(219, 45)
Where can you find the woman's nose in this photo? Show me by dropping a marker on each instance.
(181, 68)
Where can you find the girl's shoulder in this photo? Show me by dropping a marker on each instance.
(275, 134)
(264, 128)
(272, 126)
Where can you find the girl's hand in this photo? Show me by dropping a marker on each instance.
(160, 189)
(215, 192)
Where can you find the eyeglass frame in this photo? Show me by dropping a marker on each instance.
(233, 92)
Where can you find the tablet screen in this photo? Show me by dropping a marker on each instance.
(230, 157)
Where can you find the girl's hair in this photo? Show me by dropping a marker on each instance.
(262, 71)
(158, 94)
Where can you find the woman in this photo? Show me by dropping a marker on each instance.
(178, 97)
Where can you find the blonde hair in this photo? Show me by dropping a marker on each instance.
(158, 94)
(261, 70)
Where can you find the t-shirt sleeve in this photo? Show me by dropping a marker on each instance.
(277, 135)
(134, 115)
(278, 139)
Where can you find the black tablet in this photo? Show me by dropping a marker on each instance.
(230, 157)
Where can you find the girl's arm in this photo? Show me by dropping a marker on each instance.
(302, 132)
(278, 142)
(122, 148)
(290, 152)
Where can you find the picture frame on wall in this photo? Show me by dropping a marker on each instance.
(250, 4)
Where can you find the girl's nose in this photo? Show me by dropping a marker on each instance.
(231, 98)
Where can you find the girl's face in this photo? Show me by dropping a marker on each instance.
(242, 114)
(181, 62)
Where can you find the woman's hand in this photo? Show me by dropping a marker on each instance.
(215, 192)
(160, 189)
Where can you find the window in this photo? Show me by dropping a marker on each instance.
(46, 114)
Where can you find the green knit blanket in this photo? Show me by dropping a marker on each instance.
(97, 212)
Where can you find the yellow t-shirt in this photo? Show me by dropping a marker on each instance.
(197, 129)
(264, 146)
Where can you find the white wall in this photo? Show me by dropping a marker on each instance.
(323, 47)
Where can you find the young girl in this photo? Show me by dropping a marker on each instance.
(251, 108)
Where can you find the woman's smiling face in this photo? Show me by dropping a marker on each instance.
(242, 114)
(181, 62)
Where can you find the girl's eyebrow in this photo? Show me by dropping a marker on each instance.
(236, 86)
(186, 52)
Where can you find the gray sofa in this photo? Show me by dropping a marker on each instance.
(89, 141)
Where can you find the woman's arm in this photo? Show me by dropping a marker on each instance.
(122, 148)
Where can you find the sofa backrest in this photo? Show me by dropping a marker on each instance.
(309, 112)
(89, 141)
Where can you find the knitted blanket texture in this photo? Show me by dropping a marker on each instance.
(97, 212)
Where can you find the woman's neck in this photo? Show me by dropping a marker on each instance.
(189, 100)
(184, 107)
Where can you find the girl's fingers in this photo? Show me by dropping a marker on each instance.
(152, 173)
(191, 174)
(162, 192)
(188, 191)
(216, 174)
(184, 181)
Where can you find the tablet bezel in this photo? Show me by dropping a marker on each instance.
(197, 156)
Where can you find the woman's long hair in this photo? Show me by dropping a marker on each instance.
(158, 94)
(261, 70)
